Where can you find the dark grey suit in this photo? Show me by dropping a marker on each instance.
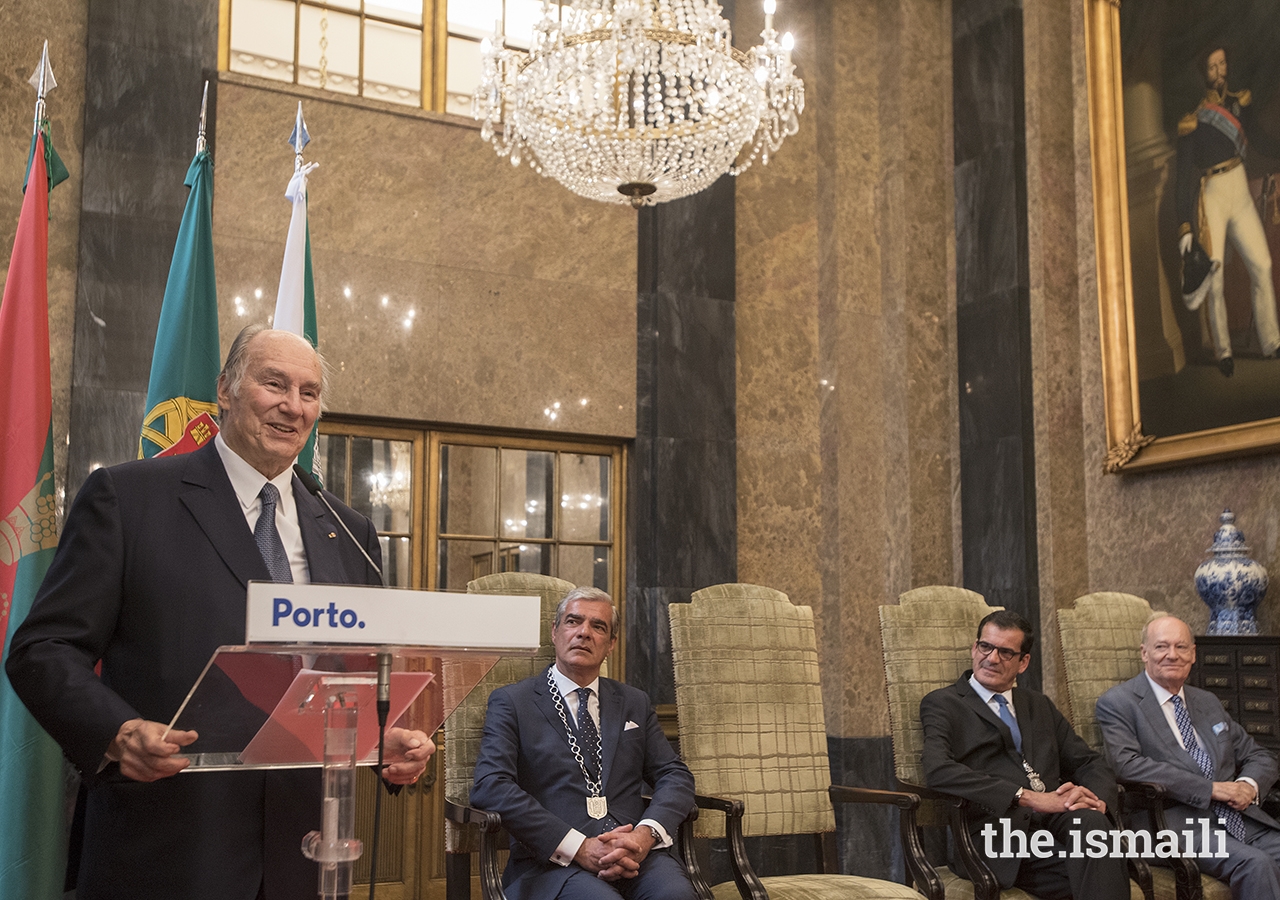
(150, 577)
(970, 753)
(527, 773)
(1142, 747)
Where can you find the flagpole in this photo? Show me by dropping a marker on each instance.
(201, 144)
(43, 81)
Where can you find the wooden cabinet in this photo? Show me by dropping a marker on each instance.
(1244, 672)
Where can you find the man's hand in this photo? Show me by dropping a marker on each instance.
(1184, 244)
(411, 750)
(143, 754)
(629, 848)
(592, 853)
(1236, 794)
(1066, 798)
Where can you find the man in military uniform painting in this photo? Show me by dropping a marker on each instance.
(1215, 206)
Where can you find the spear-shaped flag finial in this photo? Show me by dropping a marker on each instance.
(201, 144)
(299, 138)
(43, 81)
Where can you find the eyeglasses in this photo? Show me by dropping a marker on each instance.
(1004, 652)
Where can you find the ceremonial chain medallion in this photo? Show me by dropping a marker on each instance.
(597, 805)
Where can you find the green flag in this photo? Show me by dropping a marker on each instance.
(182, 392)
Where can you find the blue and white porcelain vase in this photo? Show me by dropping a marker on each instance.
(1229, 582)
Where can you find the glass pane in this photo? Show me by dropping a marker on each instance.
(585, 565)
(393, 63)
(463, 77)
(262, 38)
(522, 15)
(468, 495)
(341, 50)
(395, 562)
(333, 464)
(462, 561)
(382, 482)
(584, 497)
(528, 485)
(534, 558)
(474, 18)
(409, 11)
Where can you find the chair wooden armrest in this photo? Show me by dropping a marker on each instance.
(923, 875)
(744, 876)
(985, 885)
(1152, 798)
(490, 825)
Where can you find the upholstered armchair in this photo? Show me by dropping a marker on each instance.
(752, 731)
(469, 830)
(1100, 638)
(926, 640)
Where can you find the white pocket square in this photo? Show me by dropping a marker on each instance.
(1219, 728)
(629, 725)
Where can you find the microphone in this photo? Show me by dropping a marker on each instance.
(313, 487)
(384, 687)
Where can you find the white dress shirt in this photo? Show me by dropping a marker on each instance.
(568, 688)
(988, 696)
(247, 483)
(1165, 699)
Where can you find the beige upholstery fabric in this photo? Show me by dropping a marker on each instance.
(958, 888)
(824, 887)
(1100, 639)
(462, 730)
(926, 640)
(750, 707)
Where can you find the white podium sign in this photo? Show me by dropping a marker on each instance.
(368, 616)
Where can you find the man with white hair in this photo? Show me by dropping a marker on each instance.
(1158, 728)
(150, 578)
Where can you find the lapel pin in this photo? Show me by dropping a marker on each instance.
(333, 534)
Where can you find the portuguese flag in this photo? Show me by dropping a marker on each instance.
(32, 808)
(182, 395)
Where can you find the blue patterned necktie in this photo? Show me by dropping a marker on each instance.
(1007, 718)
(590, 744)
(1234, 821)
(268, 538)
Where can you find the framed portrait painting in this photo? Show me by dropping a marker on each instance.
(1184, 106)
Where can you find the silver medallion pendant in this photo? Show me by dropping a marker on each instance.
(597, 807)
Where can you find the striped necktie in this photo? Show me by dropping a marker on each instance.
(1234, 821)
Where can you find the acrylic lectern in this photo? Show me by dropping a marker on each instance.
(302, 692)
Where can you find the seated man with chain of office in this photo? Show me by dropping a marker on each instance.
(564, 760)
(1029, 776)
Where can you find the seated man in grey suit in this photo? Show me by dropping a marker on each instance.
(1158, 728)
(564, 759)
(1011, 753)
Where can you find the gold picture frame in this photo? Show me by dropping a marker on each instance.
(1129, 449)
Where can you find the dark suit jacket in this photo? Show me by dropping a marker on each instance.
(970, 753)
(1141, 747)
(527, 774)
(150, 577)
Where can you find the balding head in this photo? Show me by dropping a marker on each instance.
(269, 397)
(1168, 651)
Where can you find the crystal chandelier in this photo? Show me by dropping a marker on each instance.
(638, 101)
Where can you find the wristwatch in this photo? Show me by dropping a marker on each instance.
(1017, 797)
(657, 835)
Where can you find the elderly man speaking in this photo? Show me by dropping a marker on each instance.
(150, 578)
(1158, 728)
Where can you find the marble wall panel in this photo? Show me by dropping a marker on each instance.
(846, 354)
(522, 294)
(1062, 540)
(27, 26)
